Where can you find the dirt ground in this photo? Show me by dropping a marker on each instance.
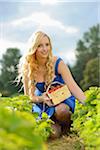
(66, 142)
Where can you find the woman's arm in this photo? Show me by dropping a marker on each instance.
(25, 84)
(33, 97)
(43, 98)
(70, 82)
(26, 91)
(36, 99)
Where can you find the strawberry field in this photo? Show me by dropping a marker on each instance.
(21, 129)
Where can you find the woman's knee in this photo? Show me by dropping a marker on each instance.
(62, 112)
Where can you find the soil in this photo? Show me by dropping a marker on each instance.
(66, 142)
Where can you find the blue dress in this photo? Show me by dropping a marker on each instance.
(39, 107)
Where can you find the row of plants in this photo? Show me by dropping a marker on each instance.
(19, 128)
(86, 119)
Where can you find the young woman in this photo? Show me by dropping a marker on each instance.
(39, 69)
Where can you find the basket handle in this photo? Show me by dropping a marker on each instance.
(52, 84)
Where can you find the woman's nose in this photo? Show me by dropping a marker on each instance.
(44, 47)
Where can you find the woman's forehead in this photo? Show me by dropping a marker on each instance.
(44, 39)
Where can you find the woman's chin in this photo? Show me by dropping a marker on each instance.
(44, 56)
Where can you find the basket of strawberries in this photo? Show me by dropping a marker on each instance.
(58, 93)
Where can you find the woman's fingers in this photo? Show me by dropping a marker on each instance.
(47, 100)
(49, 103)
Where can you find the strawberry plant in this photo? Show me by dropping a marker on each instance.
(87, 119)
(19, 128)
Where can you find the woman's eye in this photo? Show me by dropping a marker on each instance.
(47, 44)
(40, 45)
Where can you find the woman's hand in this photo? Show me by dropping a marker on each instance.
(47, 100)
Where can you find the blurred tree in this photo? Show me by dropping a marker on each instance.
(86, 49)
(91, 74)
(8, 74)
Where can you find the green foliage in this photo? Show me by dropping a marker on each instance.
(87, 49)
(19, 128)
(44, 126)
(87, 119)
(8, 74)
(21, 103)
(91, 74)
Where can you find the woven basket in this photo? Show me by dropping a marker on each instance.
(57, 95)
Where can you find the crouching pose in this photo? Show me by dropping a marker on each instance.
(38, 70)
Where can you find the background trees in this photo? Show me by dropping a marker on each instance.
(91, 74)
(87, 49)
(8, 74)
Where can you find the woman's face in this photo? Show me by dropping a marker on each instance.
(43, 48)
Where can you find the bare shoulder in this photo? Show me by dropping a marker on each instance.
(62, 67)
(55, 59)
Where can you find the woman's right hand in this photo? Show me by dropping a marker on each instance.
(47, 100)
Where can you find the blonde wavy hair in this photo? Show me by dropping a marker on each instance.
(28, 66)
